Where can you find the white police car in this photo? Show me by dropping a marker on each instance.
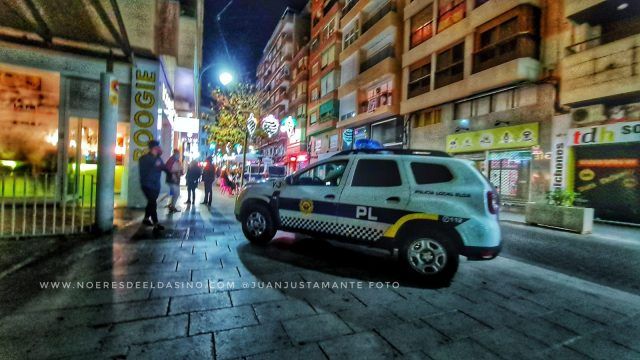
(423, 206)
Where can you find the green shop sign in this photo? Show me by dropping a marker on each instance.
(508, 137)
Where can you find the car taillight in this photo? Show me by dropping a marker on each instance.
(492, 202)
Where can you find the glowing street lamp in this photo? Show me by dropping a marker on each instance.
(225, 78)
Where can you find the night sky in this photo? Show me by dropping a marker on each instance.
(247, 26)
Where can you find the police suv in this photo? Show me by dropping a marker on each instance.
(423, 206)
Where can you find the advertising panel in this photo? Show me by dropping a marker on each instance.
(607, 177)
(507, 137)
(144, 121)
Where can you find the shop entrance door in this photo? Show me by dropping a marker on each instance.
(509, 172)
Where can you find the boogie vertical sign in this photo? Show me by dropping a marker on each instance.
(144, 121)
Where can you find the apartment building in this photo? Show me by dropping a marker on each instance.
(294, 124)
(274, 81)
(479, 81)
(324, 78)
(596, 144)
(370, 76)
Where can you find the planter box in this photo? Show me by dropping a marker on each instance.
(576, 219)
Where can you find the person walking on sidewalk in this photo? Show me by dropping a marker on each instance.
(193, 178)
(208, 178)
(151, 167)
(174, 172)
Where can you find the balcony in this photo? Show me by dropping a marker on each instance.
(387, 52)
(520, 45)
(576, 8)
(390, 19)
(348, 7)
(514, 71)
(384, 10)
(327, 7)
(610, 70)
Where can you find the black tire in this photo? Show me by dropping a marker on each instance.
(440, 258)
(250, 216)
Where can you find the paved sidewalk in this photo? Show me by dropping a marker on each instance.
(496, 309)
(600, 229)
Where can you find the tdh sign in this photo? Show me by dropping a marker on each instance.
(605, 134)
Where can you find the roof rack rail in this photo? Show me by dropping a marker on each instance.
(394, 152)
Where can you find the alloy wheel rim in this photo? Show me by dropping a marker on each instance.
(427, 256)
(256, 224)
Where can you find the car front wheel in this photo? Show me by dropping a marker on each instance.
(431, 258)
(257, 224)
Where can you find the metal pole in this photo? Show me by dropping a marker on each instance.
(244, 156)
(106, 152)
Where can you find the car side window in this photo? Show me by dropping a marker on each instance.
(377, 173)
(327, 174)
(425, 173)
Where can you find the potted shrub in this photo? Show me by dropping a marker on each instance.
(560, 211)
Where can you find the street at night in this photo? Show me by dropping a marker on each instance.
(319, 179)
(545, 297)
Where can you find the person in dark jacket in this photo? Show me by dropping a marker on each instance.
(151, 168)
(193, 178)
(208, 177)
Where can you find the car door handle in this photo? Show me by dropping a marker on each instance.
(393, 199)
(330, 197)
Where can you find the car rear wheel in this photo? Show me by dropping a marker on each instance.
(432, 258)
(257, 224)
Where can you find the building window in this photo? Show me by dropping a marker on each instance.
(328, 56)
(450, 65)
(314, 44)
(450, 12)
(419, 78)
(328, 83)
(314, 69)
(424, 173)
(425, 117)
(480, 2)
(510, 36)
(314, 94)
(500, 101)
(302, 111)
(351, 36)
(329, 29)
(377, 96)
(313, 118)
(422, 26)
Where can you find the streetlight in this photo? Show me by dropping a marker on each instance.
(225, 78)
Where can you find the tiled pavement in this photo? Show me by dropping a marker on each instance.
(496, 309)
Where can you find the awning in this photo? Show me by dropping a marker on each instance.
(94, 27)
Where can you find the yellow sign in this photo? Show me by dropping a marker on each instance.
(306, 206)
(507, 137)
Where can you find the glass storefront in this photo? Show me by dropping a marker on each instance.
(510, 172)
(388, 132)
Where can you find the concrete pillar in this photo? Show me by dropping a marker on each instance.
(106, 152)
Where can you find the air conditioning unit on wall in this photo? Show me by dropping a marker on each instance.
(588, 114)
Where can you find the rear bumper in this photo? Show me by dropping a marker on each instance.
(481, 253)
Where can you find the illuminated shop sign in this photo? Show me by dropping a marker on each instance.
(270, 125)
(508, 137)
(144, 106)
(605, 134)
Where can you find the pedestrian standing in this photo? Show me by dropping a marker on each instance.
(208, 178)
(151, 167)
(174, 172)
(193, 178)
